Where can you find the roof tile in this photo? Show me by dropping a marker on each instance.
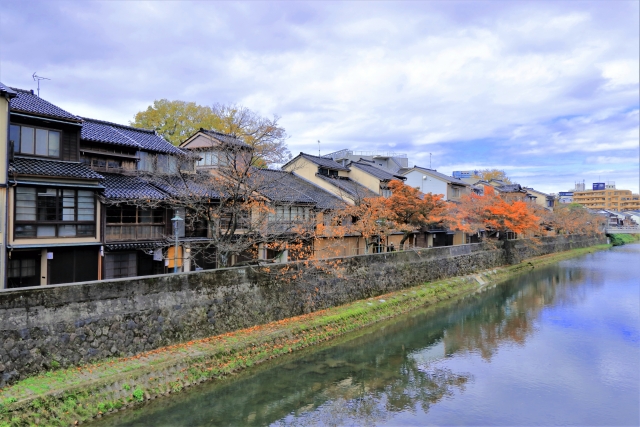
(120, 187)
(324, 162)
(27, 102)
(113, 133)
(54, 168)
(283, 186)
(375, 171)
(349, 186)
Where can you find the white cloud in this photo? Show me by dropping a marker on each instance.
(478, 83)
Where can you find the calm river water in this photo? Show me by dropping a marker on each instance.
(557, 346)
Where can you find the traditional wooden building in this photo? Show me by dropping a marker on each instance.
(53, 231)
(137, 227)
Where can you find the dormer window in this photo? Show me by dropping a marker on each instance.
(35, 141)
(328, 172)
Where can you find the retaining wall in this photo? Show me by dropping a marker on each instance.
(64, 325)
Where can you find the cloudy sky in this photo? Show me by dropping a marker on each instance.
(547, 91)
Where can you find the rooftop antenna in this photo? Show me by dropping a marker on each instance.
(318, 148)
(37, 79)
(429, 160)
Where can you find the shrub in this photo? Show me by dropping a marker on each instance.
(138, 394)
(622, 239)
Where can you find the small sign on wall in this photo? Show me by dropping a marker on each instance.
(49, 255)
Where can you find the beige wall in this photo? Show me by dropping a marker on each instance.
(4, 127)
(459, 238)
(461, 192)
(308, 170)
(363, 178)
(541, 199)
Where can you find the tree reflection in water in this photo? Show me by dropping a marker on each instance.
(514, 318)
(371, 377)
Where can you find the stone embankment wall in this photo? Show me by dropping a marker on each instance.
(65, 325)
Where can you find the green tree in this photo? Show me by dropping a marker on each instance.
(178, 120)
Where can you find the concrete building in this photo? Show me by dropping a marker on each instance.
(391, 162)
(434, 182)
(608, 198)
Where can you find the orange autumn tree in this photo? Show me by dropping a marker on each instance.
(492, 213)
(409, 209)
(575, 219)
(369, 218)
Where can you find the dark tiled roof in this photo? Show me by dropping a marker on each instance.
(7, 90)
(510, 188)
(27, 102)
(349, 186)
(224, 138)
(279, 186)
(113, 133)
(321, 161)
(198, 185)
(282, 186)
(119, 187)
(55, 168)
(375, 171)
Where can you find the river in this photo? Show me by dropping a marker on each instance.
(557, 346)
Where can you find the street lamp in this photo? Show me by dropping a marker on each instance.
(175, 220)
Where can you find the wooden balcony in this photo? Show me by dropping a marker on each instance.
(126, 232)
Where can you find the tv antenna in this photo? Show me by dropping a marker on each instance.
(318, 148)
(37, 79)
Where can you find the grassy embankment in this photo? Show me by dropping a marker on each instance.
(623, 239)
(76, 395)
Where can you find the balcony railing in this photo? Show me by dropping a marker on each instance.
(122, 232)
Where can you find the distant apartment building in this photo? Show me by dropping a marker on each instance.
(565, 197)
(464, 174)
(391, 162)
(607, 196)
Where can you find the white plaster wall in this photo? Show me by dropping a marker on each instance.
(429, 185)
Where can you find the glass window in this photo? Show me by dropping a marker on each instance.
(86, 205)
(22, 268)
(54, 144)
(42, 142)
(46, 231)
(25, 204)
(66, 230)
(146, 162)
(14, 137)
(54, 212)
(129, 215)
(27, 140)
(47, 204)
(68, 205)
